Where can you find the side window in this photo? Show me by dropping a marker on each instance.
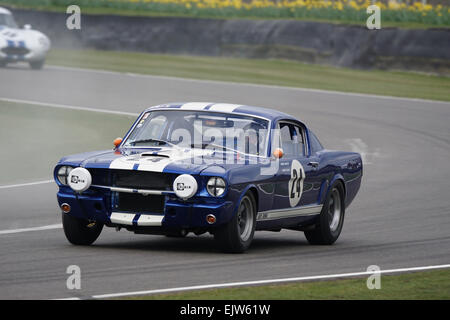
(292, 141)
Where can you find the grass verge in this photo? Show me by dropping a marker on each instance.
(261, 71)
(34, 138)
(418, 285)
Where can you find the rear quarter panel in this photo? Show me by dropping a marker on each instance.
(344, 166)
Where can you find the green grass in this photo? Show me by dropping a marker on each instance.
(418, 285)
(391, 18)
(34, 138)
(261, 71)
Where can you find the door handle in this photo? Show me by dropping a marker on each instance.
(313, 164)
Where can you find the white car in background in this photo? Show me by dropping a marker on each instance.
(21, 44)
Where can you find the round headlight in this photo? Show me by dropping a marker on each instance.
(185, 186)
(63, 173)
(216, 186)
(79, 179)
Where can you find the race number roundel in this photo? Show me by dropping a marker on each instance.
(296, 183)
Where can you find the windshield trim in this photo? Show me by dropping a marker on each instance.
(269, 131)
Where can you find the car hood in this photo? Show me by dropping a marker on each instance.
(161, 159)
(31, 39)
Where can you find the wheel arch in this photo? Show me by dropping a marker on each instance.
(252, 188)
(339, 179)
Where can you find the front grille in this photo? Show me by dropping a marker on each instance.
(132, 179)
(20, 51)
(142, 180)
(134, 202)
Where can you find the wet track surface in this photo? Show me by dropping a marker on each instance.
(400, 217)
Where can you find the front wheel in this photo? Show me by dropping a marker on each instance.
(80, 231)
(237, 235)
(331, 218)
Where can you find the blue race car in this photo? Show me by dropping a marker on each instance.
(208, 167)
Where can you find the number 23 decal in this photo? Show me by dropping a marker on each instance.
(296, 183)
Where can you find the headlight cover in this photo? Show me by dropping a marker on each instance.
(216, 186)
(79, 179)
(185, 186)
(63, 173)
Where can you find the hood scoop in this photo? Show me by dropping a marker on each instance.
(153, 154)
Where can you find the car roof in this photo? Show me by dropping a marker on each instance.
(4, 11)
(266, 113)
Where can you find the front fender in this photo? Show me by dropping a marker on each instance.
(243, 192)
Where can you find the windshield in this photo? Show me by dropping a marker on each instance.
(7, 20)
(200, 129)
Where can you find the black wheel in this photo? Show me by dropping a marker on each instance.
(79, 231)
(237, 235)
(331, 219)
(2, 64)
(37, 65)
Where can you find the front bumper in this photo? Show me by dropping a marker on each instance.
(31, 56)
(177, 214)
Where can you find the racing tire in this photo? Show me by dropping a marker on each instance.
(237, 235)
(37, 65)
(80, 231)
(331, 218)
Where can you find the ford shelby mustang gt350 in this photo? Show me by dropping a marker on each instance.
(207, 167)
(21, 44)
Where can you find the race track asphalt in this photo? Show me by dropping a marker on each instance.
(400, 218)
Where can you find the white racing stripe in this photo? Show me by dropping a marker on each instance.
(269, 281)
(155, 163)
(122, 218)
(195, 105)
(144, 219)
(49, 227)
(25, 184)
(150, 220)
(289, 213)
(224, 107)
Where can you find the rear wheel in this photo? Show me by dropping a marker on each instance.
(2, 64)
(331, 218)
(80, 231)
(37, 65)
(237, 235)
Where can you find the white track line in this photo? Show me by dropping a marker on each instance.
(49, 227)
(260, 282)
(25, 184)
(64, 106)
(351, 94)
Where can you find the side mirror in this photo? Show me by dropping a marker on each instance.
(117, 142)
(27, 26)
(278, 153)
